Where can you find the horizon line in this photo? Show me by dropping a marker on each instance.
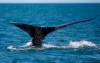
(49, 2)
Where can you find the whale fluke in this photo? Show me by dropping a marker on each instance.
(39, 33)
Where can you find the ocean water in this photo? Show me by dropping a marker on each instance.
(79, 43)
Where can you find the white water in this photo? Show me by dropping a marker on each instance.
(77, 44)
(72, 44)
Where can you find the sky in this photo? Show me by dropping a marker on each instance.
(49, 1)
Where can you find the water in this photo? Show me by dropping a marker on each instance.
(74, 44)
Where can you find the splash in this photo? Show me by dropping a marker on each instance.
(72, 44)
(27, 44)
(23, 47)
(49, 46)
(11, 48)
(79, 44)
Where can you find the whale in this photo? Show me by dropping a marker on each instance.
(38, 33)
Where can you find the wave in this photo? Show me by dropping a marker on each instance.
(72, 44)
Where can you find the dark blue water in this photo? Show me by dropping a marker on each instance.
(78, 43)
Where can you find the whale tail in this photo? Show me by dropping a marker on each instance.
(39, 33)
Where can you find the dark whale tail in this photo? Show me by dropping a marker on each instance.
(39, 33)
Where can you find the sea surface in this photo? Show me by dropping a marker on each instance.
(79, 43)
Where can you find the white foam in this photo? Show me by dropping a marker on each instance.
(11, 48)
(72, 44)
(49, 46)
(79, 44)
(23, 47)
